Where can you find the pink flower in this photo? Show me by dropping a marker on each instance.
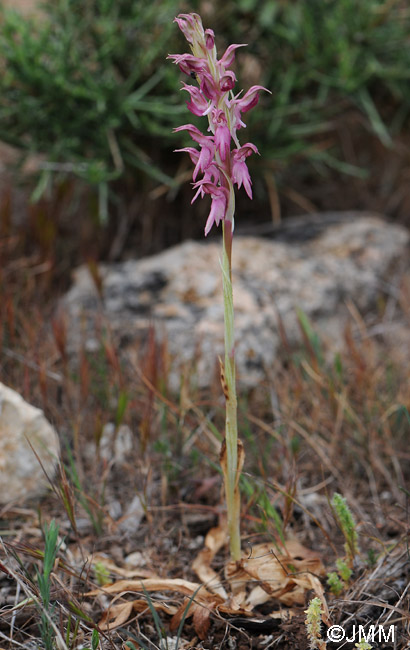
(209, 39)
(211, 173)
(198, 104)
(219, 205)
(240, 172)
(188, 63)
(228, 81)
(207, 152)
(190, 25)
(245, 104)
(209, 86)
(222, 134)
(250, 98)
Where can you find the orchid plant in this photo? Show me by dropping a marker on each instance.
(221, 163)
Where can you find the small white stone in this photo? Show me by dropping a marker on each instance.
(115, 444)
(24, 428)
(135, 559)
(133, 516)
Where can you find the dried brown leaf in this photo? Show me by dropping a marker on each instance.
(178, 585)
(214, 541)
(278, 574)
(185, 609)
(117, 615)
(200, 616)
(201, 619)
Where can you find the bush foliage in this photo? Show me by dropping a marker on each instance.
(87, 86)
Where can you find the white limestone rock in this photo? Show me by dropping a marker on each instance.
(22, 425)
(315, 264)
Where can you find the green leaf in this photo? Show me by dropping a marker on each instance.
(95, 640)
(377, 123)
(41, 187)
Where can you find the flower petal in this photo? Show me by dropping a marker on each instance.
(229, 55)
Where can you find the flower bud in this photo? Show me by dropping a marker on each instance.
(209, 39)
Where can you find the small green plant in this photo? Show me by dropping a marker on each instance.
(338, 581)
(102, 574)
(313, 624)
(347, 524)
(336, 585)
(44, 584)
(345, 572)
(95, 640)
(363, 645)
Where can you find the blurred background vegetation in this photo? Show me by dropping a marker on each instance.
(88, 102)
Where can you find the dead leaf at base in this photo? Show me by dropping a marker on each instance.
(119, 614)
(214, 541)
(286, 576)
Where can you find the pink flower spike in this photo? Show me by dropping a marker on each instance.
(229, 55)
(240, 171)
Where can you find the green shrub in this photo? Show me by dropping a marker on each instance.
(83, 86)
(88, 87)
(320, 59)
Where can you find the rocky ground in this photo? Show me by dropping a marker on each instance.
(137, 497)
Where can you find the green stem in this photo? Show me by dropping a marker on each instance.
(231, 423)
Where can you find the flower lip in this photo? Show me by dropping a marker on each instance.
(228, 81)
